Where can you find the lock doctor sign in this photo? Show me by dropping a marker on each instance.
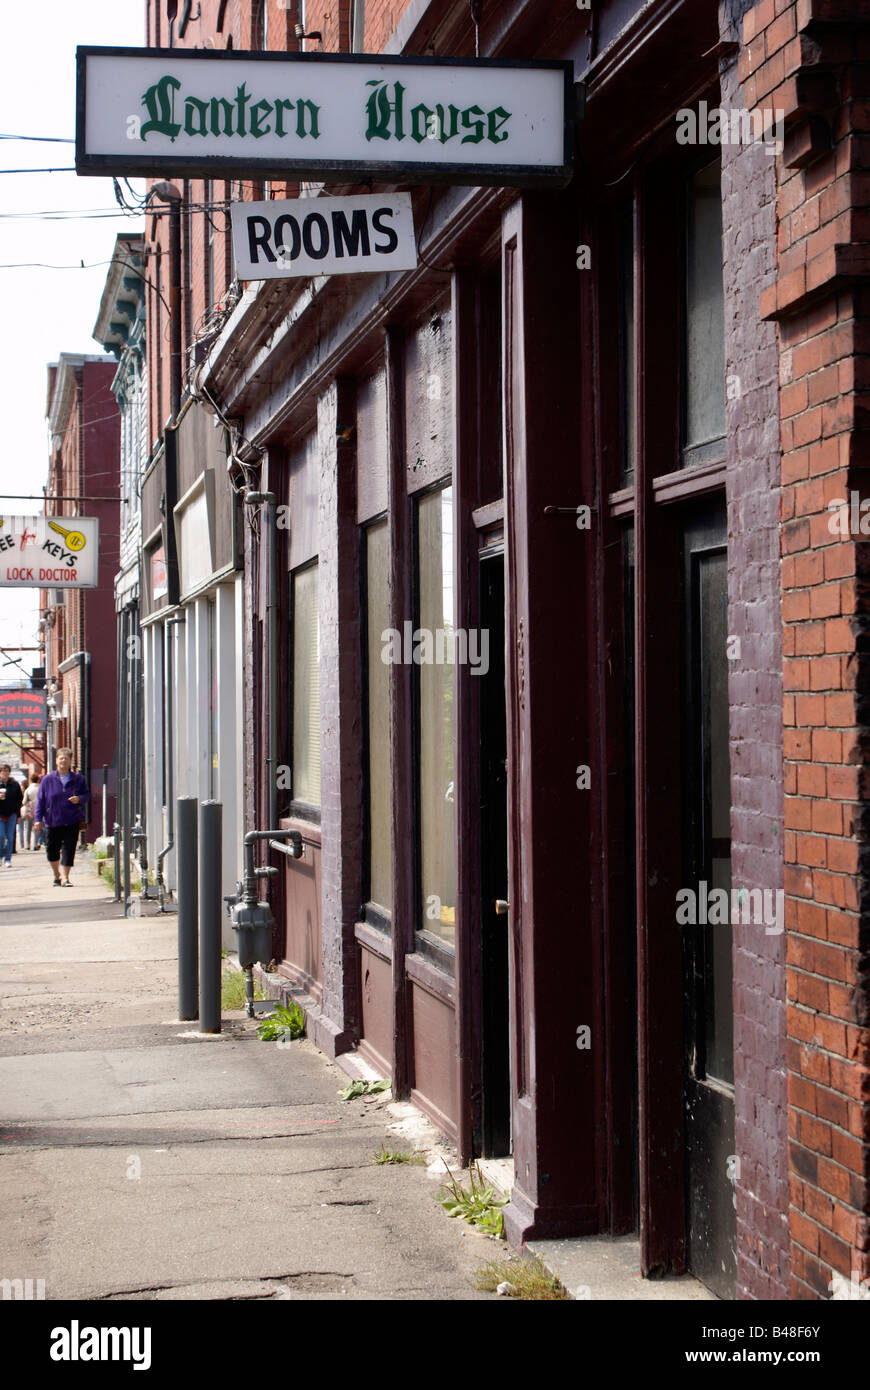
(49, 552)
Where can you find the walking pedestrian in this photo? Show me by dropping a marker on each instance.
(61, 807)
(28, 808)
(10, 805)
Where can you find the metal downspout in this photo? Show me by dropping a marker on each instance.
(168, 749)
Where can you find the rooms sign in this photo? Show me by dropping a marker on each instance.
(324, 117)
(323, 236)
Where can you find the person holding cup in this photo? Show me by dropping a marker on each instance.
(61, 806)
(10, 805)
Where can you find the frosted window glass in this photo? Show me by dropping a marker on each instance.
(435, 578)
(306, 689)
(378, 611)
(705, 312)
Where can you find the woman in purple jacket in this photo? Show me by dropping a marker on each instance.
(60, 807)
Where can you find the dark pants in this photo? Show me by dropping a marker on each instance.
(60, 843)
(7, 836)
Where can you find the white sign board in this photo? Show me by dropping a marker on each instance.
(317, 116)
(323, 236)
(49, 552)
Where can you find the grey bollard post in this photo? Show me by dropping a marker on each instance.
(185, 858)
(116, 853)
(210, 917)
(125, 828)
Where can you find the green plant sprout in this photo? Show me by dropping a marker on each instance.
(233, 990)
(526, 1276)
(385, 1155)
(476, 1203)
(284, 1021)
(364, 1088)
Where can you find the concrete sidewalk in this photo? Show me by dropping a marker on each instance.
(140, 1160)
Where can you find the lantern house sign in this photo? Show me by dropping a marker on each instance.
(326, 117)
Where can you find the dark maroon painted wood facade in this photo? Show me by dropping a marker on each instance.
(500, 368)
(359, 356)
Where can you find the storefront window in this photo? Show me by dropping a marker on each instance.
(213, 740)
(357, 26)
(378, 622)
(260, 24)
(627, 342)
(306, 688)
(433, 660)
(704, 320)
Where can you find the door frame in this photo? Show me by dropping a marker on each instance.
(652, 500)
(704, 533)
(497, 1073)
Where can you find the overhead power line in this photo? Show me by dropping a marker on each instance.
(44, 265)
(45, 139)
(51, 497)
(62, 214)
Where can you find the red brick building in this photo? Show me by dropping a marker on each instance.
(77, 626)
(506, 900)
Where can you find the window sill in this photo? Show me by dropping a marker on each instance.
(308, 829)
(431, 977)
(378, 918)
(693, 481)
(375, 941)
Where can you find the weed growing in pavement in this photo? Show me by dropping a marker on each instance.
(285, 1021)
(476, 1203)
(108, 878)
(364, 1088)
(526, 1276)
(233, 990)
(385, 1155)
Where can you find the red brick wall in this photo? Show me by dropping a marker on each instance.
(236, 32)
(86, 461)
(332, 19)
(755, 695)
(810, 59)
(101, 453)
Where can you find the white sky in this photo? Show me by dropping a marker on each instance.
(46, 312)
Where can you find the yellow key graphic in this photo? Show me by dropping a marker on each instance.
(74, 539)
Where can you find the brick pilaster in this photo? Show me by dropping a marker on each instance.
(810, 59)
(341, 789)
(755, 697)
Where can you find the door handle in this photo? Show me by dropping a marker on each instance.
(502, 908)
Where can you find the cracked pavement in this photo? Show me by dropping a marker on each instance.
(141, 1161)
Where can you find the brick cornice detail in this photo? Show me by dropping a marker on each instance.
(841, 267)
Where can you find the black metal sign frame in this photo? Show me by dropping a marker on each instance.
(323, 170)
